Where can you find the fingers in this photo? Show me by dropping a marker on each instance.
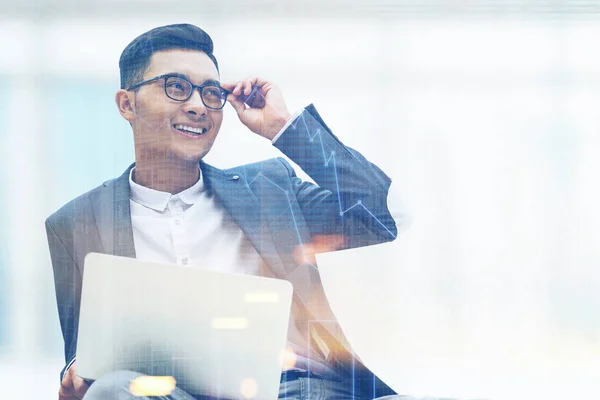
(259, 105)
(237, 104)
(66, 390)
(244, 87)
(72, 387)
(80, 387)
(64, 394)
(234, 87)
(73, 393)
(67, 394)
(256, 98)
(229, 86)
(246, 93)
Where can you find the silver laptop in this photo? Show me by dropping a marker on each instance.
(217, 334)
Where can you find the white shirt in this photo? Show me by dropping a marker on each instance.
(189, 228)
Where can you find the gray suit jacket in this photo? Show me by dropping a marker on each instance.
(275, 209)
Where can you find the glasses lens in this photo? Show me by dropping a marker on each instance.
(213, 97)
(177, 88)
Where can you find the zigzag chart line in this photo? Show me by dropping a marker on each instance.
(326, 162)
(308, 351)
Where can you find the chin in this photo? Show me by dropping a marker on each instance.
(191, 151)
(189, 156)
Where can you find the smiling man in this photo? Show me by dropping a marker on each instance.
(172, 207)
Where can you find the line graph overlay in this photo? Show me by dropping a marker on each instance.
(308, 351)
(326, 163)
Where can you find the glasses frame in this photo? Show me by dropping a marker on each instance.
(194, 87)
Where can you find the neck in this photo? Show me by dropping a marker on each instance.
(171, 175)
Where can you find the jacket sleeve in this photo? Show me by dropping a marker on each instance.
(350, 197)
(67, 284)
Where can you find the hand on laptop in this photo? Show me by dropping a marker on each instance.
(72, 387)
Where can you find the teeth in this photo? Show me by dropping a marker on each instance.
(190, 129)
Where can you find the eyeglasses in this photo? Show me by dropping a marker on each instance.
(179, 88)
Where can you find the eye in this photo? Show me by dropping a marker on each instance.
(212, 91)
(175, 85)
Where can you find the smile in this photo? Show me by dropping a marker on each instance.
(190, 131)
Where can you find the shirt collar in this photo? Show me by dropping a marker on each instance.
(157, 200)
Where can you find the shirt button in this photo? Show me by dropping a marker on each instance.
(184, 261)
(235, 177)
(177, 221)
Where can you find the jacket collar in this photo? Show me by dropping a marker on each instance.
(157, 200)
(112, 213)
(113, 216)
(232, 190)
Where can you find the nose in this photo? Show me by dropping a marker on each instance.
(194, 104)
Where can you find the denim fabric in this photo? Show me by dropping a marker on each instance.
(316, 389)
(115, 386)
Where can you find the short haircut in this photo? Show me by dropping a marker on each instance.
(136, 57)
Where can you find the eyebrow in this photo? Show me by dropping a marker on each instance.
(204, 82)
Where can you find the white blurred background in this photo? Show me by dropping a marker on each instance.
(485, 114)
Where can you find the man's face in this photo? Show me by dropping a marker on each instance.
(159, 122)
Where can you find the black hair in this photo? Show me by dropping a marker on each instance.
(136, 56)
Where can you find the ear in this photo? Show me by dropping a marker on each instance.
(125, 104)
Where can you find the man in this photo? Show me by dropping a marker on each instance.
(259, 219)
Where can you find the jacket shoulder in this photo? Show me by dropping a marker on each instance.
(270, 167)
(74, 208)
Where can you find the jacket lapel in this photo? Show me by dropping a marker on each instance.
(232, 191)
(275, 241)
(113, 216)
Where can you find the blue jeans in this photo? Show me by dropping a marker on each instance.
(294, 386)
(315, 389)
